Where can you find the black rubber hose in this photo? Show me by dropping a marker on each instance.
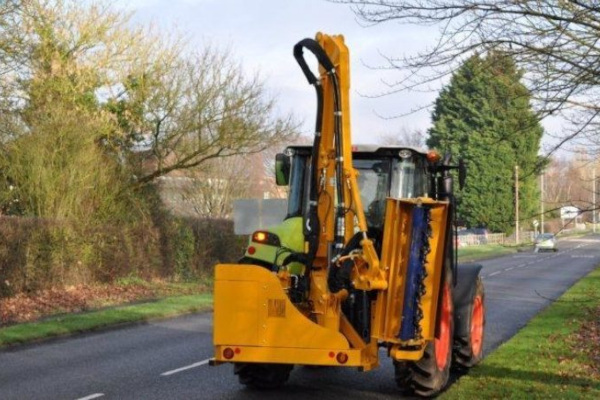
(337, 130)
(312, 223)
(339, 215)
(314, 47)
(316, 144)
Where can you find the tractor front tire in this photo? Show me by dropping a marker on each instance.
(429, 376)
(468, 348)
(262, 376)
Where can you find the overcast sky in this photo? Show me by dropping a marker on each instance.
(261, 35)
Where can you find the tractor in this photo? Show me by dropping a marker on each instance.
(364, 259)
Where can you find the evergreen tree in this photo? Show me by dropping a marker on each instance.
(485, 117)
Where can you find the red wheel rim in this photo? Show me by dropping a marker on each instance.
(442, 340)
(477, 326)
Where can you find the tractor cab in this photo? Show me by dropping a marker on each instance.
(393, 171)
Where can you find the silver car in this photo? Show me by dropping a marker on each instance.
(545, 242)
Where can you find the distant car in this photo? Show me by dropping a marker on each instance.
(545, 242)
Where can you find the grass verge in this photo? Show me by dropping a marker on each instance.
(89, 321)
(556, 356)
(483, 252)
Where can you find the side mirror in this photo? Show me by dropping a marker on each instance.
(282, 169)
(462, 173)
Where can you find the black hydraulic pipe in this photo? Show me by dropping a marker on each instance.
(445, 192)
(338, 137)
(314, 47)
(312, 223)
(340, 228)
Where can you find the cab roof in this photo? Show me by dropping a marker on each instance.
(368, 148)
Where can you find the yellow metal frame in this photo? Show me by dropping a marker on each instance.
(254, 320)
(395, 252)
(254, 315)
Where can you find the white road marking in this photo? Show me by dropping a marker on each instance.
(91, 396)
(537, 259)
(195, 365)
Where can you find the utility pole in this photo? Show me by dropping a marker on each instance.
(594, 212)
(516, 204)
(542, 202)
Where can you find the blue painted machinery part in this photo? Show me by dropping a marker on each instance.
(416, 273)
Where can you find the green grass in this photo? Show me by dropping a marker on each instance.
(83, 322)
(547, 359)
(474, 253)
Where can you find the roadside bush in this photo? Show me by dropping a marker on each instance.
(199, 244)
(38, 254)
(216, 243)
(184, 251)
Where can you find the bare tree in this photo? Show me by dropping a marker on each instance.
(405, 137)
(570, 182)
(212, 190)
(205, 108)
(554, 41)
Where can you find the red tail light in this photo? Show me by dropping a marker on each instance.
(342, 358)
(228, 353)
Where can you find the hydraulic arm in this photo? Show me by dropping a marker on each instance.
(335, 213)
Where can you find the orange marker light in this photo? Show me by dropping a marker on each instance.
(433, 156)
(251, 250)
(260, 237)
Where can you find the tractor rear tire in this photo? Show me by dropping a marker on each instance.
(262, 376)
(468, 348)
(429, 376)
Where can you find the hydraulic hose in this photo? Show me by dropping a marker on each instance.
(312, 224)
(314, 47)
(341, 206)
(312, 217)
(445, 192)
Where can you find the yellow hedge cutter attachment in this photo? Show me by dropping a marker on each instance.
(364, 259)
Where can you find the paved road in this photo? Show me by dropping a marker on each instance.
(167, 360)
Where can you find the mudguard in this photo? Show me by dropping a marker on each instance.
(462, 295)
